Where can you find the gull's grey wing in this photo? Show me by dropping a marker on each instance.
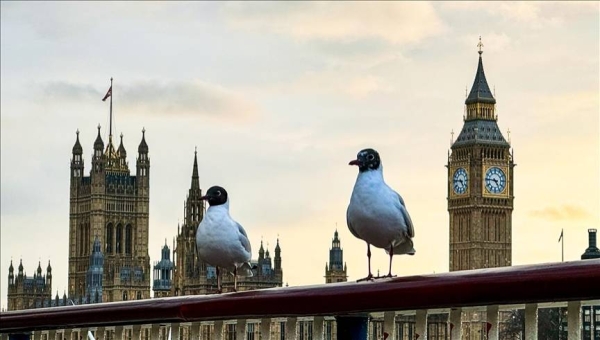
(244, 238)
(404, 212)
(350, 224)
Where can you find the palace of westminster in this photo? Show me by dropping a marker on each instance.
(109, 226)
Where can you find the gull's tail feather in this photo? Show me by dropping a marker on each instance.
(245, 270)
(404, 248)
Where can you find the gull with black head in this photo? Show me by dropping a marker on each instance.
(376, 213)
(221, 241)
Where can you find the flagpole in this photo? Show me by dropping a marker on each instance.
(562, 244)
(110, 124)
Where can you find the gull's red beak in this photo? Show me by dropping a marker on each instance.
(354, 162)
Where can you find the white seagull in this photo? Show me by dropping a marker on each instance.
(376, 213)
(221, 241)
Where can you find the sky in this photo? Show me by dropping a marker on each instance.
(278, 97)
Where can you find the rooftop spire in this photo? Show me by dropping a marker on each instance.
(480, 92)
(195, 177)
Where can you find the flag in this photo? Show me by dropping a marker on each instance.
(108, 94)
(561, 236)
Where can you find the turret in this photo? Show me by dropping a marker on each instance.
(11, 274)
(122, 154)
(20, 268)
(97, 161)
(261, 252)
(143, 162)
(49, 275)
(77, 162)
(39, 269)
(277, 256)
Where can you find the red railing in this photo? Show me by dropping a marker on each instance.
(568, 281)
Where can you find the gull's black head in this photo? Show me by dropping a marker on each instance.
(367, 159)
(216, 195)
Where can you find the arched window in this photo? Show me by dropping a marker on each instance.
(109, 238)
(139, 295)
(128, 239)
(124, 295)
(118, 248)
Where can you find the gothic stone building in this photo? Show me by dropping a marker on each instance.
(190, 276)
(25, 292)
(480, 185)
(111, 205)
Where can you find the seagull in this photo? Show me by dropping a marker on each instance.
(221, 241)
(376, 213)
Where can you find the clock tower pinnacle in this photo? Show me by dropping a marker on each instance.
(480, 184)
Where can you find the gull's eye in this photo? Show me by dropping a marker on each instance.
(218, 193)
(370, 157)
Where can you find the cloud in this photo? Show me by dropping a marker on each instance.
(535, 15)
(175, 98)
(394, 22)
(561, 213)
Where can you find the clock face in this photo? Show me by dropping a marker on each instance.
(495, 180)
(460, 181)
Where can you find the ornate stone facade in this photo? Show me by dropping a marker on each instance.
(113, 206)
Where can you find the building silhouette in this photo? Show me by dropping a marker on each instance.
(480, 185)
(192, 276)
(109, 206)
(24, 291)
(336, 270)
(591, 314)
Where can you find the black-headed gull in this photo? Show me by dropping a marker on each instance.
(376, 213)
(221, 241)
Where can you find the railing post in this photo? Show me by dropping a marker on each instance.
(136, 332)
(265, 329)
(195, 331)
(531, 321)
(154, 332)
(421, 323)
(492, 319)
(389, 325)
(317, 328)
(67, 334)
(240, 329)
(119, 333)
(290, 328)
(352, 327)
(174, 331)
(218, 330)
(574, 320)
(100, 333)
(456, 323)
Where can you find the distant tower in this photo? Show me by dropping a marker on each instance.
(480, 185)
(189, 277)
(592, 251)
(95, 272)
(163, 273)
(336, 271)
(113, 206)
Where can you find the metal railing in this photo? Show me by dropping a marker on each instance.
(567, 284)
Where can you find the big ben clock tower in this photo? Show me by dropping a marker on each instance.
(480, 185)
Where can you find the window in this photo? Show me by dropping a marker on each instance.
(128, 239)
(109, 238)
(119, 238)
